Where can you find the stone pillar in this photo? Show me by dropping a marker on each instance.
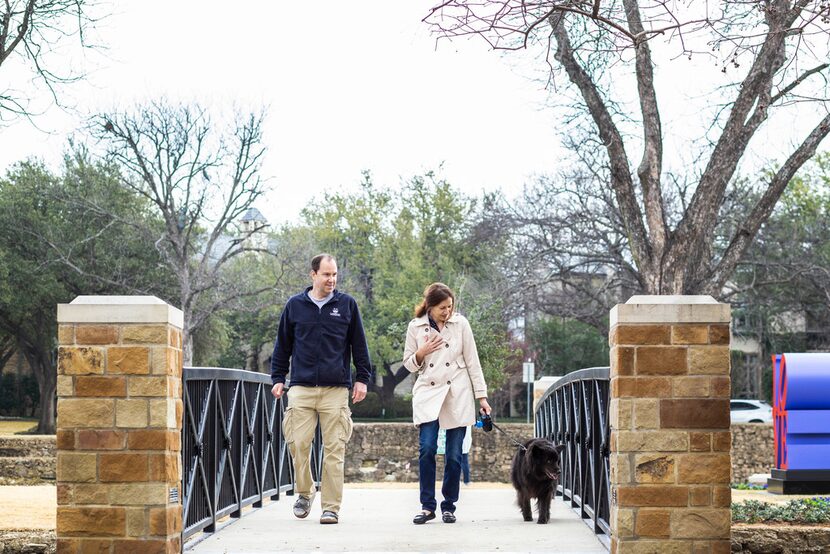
(669, 415)
(119, 425)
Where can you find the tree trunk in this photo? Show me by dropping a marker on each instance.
(46, 374)
(386, 391)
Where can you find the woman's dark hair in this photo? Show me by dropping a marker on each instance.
(318, 259)
(434, 294)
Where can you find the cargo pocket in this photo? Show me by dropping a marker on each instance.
(346, 425)
(288, 425)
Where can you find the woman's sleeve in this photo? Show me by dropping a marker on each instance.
(470, 353)
(409, 350)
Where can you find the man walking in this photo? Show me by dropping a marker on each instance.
(320, 332)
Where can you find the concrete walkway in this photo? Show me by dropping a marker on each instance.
(379, 519)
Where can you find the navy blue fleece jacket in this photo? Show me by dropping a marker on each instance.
(320, 343)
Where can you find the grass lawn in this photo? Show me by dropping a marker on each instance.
(17, 426)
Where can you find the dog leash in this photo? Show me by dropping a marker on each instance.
(487, 421)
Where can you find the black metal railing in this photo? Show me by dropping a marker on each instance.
(233, 451)
(574, 412)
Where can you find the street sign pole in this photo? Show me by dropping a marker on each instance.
(528, 374)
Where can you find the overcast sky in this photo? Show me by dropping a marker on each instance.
(348, 86)
(358, 85)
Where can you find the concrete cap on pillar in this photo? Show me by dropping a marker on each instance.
(119, 309)
(670, 309)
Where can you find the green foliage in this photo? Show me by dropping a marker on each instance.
(808, 510)
(565, 345)
(19, 395)
(391, 244)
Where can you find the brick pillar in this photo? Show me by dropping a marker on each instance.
(119, 425)
(669, 413)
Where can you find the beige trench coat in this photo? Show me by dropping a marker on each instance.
(450, 379)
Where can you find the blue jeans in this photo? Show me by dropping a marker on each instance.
(465, 468)
(428, 447)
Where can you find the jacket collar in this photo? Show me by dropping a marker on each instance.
(424, 319)
(335, 295)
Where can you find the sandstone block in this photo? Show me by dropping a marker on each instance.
(620, 412)
(65, 439)
(138, 494)
(722, 441)
(154, 439)
(144, 334)
(656, 360)
(84, 412)
(654, 547)
(148, 386)
(646, 413)
(175, 338)
(165, 467)
(700, 496)
(652, 523)
(80, 360)
(90, 493)
(163, 413)
(96, 334)
(140, 546)
(131, 413)
(123, 467)
(165, 521)
(89, 521)
(77, 467)
(721, 496)
(100, 386)
(622, 360)
(709, 360)
(720, 386)
(128, 360)
(652, 441)
(653, 496)
(66, 335)
(719, 334)
(640, 334)
(136, 522)
(690, 334)
(703, 413)
(641, 387)
(700, 442)
(700, 523)
(695, 387)
(622, 521)
(704, 468)
(66, 385)
(101, 439)
(654, 468)
(620, 469)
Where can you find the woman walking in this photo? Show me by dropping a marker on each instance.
(441, 350)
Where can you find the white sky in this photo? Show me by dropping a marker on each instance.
(348, 86)
(359, 85)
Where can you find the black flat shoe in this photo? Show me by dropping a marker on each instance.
(448, 517)
(423, 517)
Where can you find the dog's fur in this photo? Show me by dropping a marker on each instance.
(535, 472)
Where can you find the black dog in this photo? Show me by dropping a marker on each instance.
(534, 474)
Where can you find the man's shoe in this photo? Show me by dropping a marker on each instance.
(328, 517)
(423, 517)
(448, 517)
(302, 507)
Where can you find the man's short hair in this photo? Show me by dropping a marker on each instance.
(318, 259)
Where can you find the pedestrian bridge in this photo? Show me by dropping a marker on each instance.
(378, 518)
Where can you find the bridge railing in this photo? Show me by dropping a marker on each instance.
(574, 412)
(233, 450)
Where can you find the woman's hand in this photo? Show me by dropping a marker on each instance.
(433, 343)
(485, 406)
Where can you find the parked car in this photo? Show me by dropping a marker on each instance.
(749, 411)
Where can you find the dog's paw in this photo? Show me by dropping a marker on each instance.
(528, 518)
(542, 521)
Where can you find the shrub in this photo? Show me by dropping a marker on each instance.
(807, 510)
(368, 407)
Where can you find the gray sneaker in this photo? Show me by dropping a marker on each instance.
(302, 507)
(328, 517)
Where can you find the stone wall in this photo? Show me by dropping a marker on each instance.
(27, 460)
(753, 450)
(389, 452)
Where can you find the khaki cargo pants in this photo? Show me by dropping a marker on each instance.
(331, 406)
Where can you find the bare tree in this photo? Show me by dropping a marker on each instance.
(786, 45)
(201, 178)
(30, 30)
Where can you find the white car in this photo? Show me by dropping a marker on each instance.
(750, 411)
